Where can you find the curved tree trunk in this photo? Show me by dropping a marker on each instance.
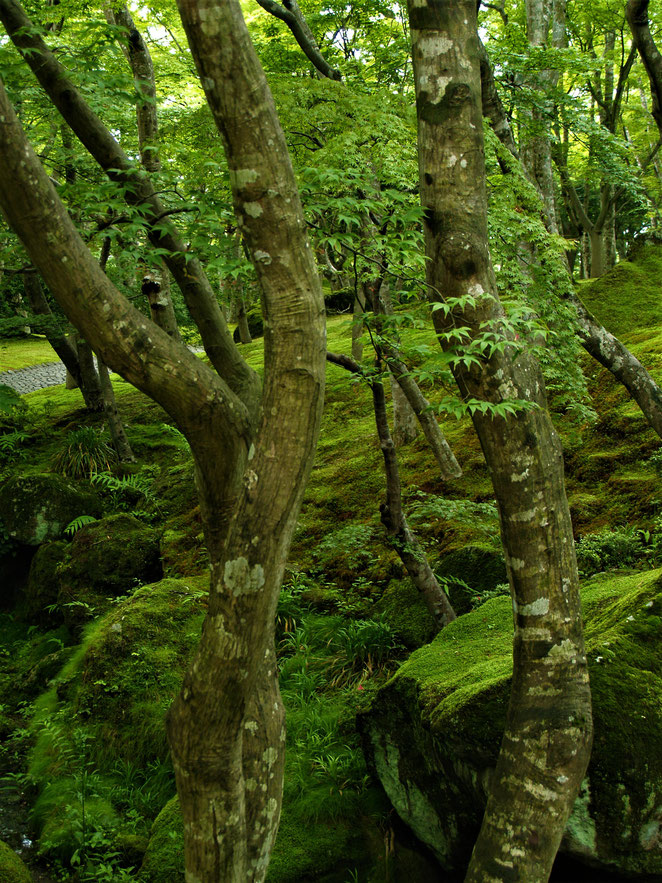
(226, 725)
(546, 744)
(186, 269)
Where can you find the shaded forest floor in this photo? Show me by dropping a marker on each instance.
(92, 785)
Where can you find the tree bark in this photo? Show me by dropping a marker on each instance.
(547, 740)
(393, 517)
(118, 436)
(187, 271)
(226, 726)
(230, 797)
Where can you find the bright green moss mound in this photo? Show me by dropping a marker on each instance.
(435, 728)
(309, 851)
(164, 859)
(628, 297)
(12, 869)
(101, 726)
(120, 682)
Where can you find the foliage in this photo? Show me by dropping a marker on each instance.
(84, 453)
(77, 523)
(610, 549)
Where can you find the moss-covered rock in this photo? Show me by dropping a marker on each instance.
(37, 508)
(403, 608)
(434, 730)
(164, 858)
(103, 719)
(12, 868)
(303, 852)
(480, 567)
(106, 558)
(43, 582)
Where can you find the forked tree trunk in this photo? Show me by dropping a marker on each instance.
(231, 795)
(226, 726)
(546, 744)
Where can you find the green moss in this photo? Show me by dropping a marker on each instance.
(37, 508)
(43, 582)
(164, 858)
(303, 851)
(106, 559)
(17, 354)
(12, 868)
(480, 567)
(440, 720)
(403, 609)
(628, 296)
(104, 717)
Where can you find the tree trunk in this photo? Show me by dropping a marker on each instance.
(230, 796)
(546, 743)
(115, 426)
(598, 266)
(58, 340)
(89, 379)
(358, 310)
(405, 423)
(156, 288)
(225, 727)
(393, 518)
(242, 322)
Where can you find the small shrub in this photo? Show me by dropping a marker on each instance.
(609, 549)
(84, 454)
(350, 543)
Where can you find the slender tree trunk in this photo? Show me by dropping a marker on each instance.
(58, 340)
(404, 540)
(598, 265)
(242, 322)
(358, 310)
(547, 740)
(156, 288)
(116, 427)
(89, 379)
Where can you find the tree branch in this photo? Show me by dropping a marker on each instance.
(290, 13)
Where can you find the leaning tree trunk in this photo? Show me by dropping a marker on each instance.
(594, 337)
(226, 726)
(546, 744)
(228, 753)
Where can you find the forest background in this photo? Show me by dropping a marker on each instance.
(564, 92)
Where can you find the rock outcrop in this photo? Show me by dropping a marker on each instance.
(434, 730)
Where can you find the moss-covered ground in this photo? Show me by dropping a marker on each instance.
(24, 352)
(347, 617)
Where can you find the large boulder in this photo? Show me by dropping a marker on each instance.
(37, 508)
(107, 558)
(111, 697)
(482, 568)
(433, 732)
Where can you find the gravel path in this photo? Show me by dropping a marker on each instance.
(39, 376)
(35, 377)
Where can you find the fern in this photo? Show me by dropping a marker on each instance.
(75, 525)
